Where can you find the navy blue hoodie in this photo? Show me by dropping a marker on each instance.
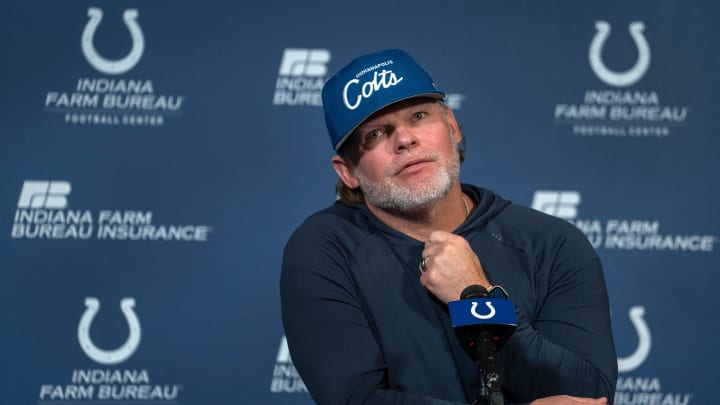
(361, 328)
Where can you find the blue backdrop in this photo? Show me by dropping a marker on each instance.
(155, 157)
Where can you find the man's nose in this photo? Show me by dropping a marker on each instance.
(405, 139)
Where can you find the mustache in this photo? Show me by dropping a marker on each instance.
(397, 167)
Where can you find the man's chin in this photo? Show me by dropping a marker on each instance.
(407, 199)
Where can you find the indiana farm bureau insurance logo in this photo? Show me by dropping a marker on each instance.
(619, 233)
(109, 385)
(622, 109)
(43, 213)
(110, 99)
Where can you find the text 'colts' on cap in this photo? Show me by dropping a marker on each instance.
(368, 84)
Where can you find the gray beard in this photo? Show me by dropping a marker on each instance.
(392, 197)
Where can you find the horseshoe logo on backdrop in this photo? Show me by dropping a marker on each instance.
(634, 360)
(473, 310)
(614, 78)
(119, 66)
(92, 306)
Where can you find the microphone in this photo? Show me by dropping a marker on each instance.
(484, 321)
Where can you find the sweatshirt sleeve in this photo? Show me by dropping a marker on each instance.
(568, 347)
(330, 336)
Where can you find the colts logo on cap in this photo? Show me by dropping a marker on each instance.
(382, 80)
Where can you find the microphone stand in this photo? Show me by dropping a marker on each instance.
(490, 392)
(485, 350)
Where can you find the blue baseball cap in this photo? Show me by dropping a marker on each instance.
(368, 84)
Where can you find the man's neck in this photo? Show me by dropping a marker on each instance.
(445, 215)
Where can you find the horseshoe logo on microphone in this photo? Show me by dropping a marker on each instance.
(123, 352)
(642, 351)
(119, 66)
(615, 78)
(473, 310)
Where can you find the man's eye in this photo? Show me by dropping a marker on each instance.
(369, 138)
(419, 115)
(372, 135)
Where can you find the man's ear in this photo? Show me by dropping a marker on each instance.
(457, 134)
(343, 171)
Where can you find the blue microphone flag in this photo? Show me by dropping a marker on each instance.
(482, 311)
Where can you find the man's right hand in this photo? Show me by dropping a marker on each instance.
(452, 265)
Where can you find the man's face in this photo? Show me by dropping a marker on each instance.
(408, 155)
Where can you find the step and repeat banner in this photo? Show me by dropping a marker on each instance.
(156, 155)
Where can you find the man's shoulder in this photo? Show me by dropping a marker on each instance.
(519, 223)
(534, 218)
(327, 239)
(338, 222)
(336, 215)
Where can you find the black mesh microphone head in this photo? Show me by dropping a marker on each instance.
(474, 291)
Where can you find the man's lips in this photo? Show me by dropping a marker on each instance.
(412, 165)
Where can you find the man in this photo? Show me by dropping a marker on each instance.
(366, 283)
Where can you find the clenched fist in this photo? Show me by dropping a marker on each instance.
(450, 266)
